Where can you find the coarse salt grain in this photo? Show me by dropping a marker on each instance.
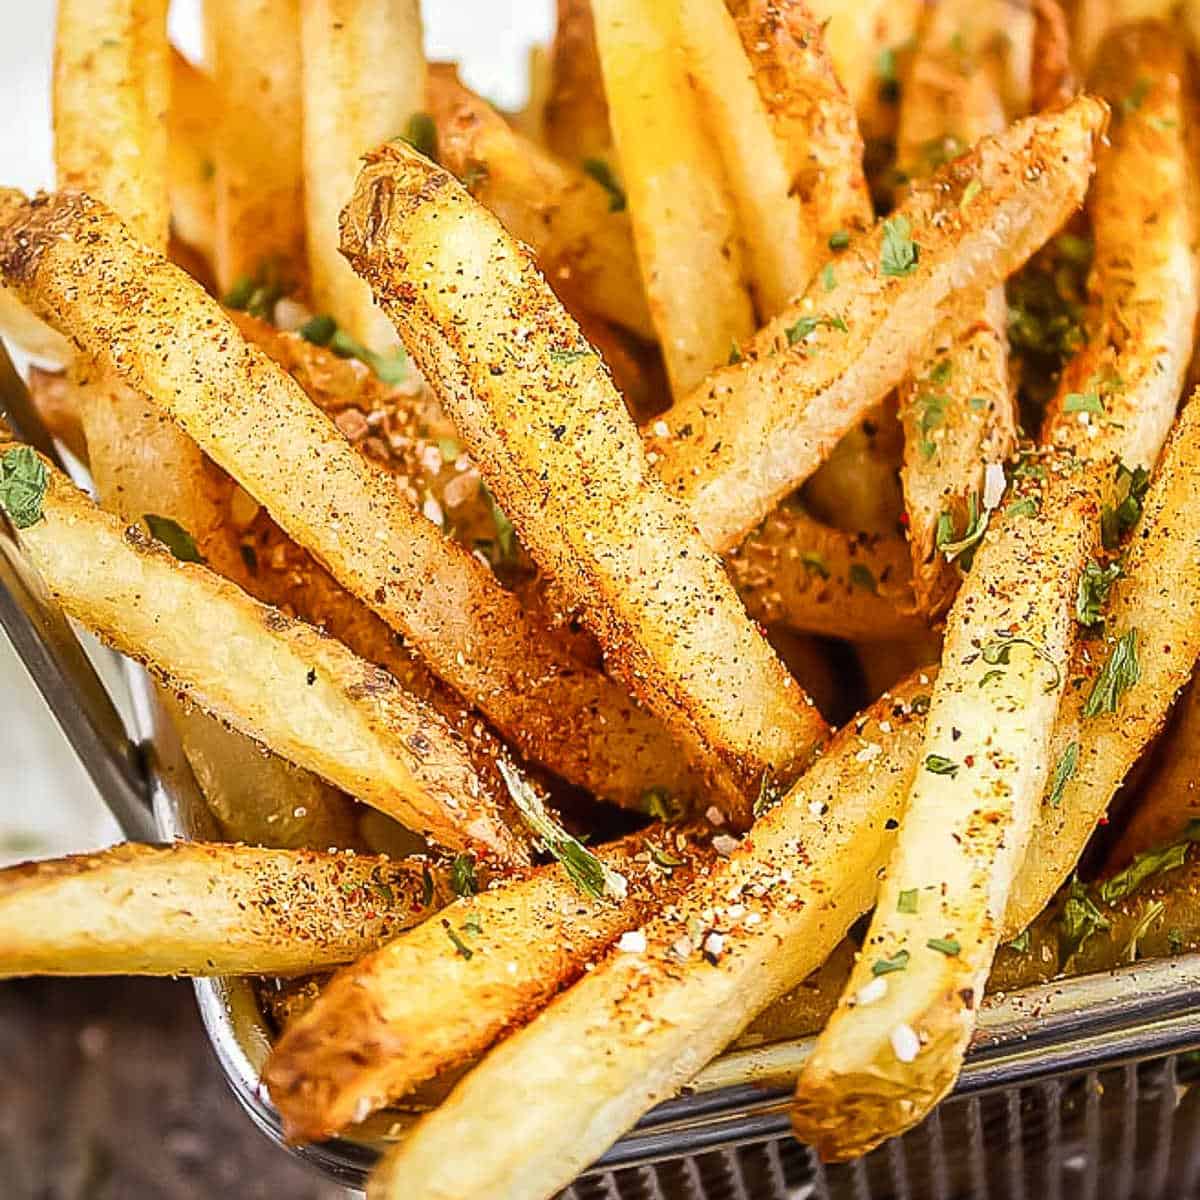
(905, 1043)
(633, 942)
(993, 485)
(724, 845)
(714, 816)
(714, 944)
(870, 992)
(661, 429)
(433, 511)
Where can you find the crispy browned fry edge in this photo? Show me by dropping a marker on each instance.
(382, 1026)
(1053, 71)
(72, 258)
(557, 448)
(576, 115)
(362, 80)
(206, 909)
(1144, 283)
(190, 161)
(254, 56)
(1170, 796)
(690, 254)
(582, 239)
(795, 571)
(306, 696)
(632, 1031)
(894, 1048)
(1157, 602)
(757, 428)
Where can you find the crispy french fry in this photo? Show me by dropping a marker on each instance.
(72, 257)
(757, 428)
(19, 327)
(795, 571)
(307, 696)
(783, 246)
(56, 397)
(689, 251)
(891, 1051)
(530, 121)
(1153, 610)
(576, 109)
(206, 909)
(551, 1098)
(381, 1027)
(958, 410)
(1053, 71)
(1170, 797)
(363, 81)
(259, 179)
(558, 450)
(1118, 395)
(191, 156)
(577, 227)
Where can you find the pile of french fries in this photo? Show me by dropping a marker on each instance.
(773, 432)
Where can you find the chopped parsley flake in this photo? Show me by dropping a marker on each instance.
(1080, 919)
(1119, 518)
(828, 278)
(839, 239)
(973, 188)
(174, 537)
(808, 325)
(427, 888)
(462, 876)
(421, 134)
(861, 576)
(947, 946)
(900, 252)
(963, 547)
(1094, 586)
(1148, 863)
(602, 173)
(998, 652)
(1083, 402)
(1135, 99)
(1118, 675)
(1028, 506)
(583, 868)
(459, 945)
(658, 803)
(937, 765)
(323, 330)
(1064, 772)
(1022, 942)
(570, 355)
(906, 902)
(735, 353)
(885, 966)
(814, 563)
(23, 483)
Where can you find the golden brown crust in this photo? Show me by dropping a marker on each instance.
(576, 115)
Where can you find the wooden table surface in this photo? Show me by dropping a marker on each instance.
(109, 1091)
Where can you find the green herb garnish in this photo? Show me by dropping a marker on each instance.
(1144, 865)
(900, 252)
(885, 966)
(658, 803)
(998, 653)
(1094, 586)
(937, 765)
(462, 876)
(963, 547)
(1028, 506)
(1086, 402)
(947, 946)
(23, 483)
(459, 945)
(861, 576)
(1064, 772)
(602, 173)
(1119, 518)
(174, 537)
(906, 902)
(814, 563)
(421, 134)
(1118, 675)
(839, 239)
(1080, 919)
(1022, 942)
(807, 325)
(427, 888)
(583, 868)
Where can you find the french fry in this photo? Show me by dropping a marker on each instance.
(1053, 71)
(72, 258)
(782, 246)
(307, 697)
(1170, 797)
(381, 1026)
(1154, 611)
(206, 909)
(551, 1098)
(56, 398)
(1118, 395)
(19, 327)
(577, 227)
(795, 571)
(363, 81)
(689, 252)
(893, 1049)
(757, 428)
(259, 174)
(564, 460)
(958, 409)
(576, 109)
(191, 156)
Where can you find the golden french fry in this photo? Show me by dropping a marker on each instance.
(689, 253)
(560, 453)
(896, 1043)
(382, 1026)
(363, 81)
(196, 908)
(576, 109)
(577, 226)
(259, 180)
(757, 428)
(191, 156)
(72, 258)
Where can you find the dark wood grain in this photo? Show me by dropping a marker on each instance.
(109, 1091)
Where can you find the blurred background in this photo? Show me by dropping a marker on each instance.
(47, 804)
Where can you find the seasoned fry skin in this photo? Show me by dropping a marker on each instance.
(383, 1025)
(152, 324)
(583, 241)
(551, 1098)
(308, 698)
(576, 113)
(552, 439)
(363, 78)
(206, 909)
(259, 176)
(795, 571)
(191, 162)
(1156, 606)
(757, 428)
(689, 252)
(882, 1063)
(781, 243)
(1118, 395)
